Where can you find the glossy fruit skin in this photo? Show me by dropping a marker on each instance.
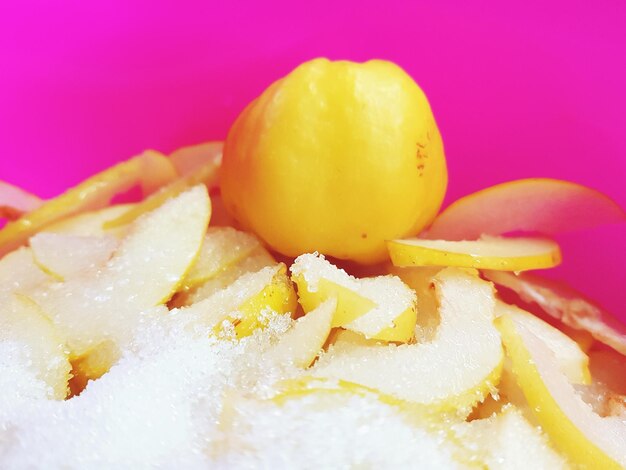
(336, 157)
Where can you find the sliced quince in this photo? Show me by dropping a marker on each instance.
(144, 272)
(531, 205)
(565, 304)
(65, 256)
(188, 160)
(508, 441)
(588, 440)
(301, 344)
(250, 294)
(573, 362)
(15, 201)
(279, 297)
(222, 248)
(259, 258)
(19, 272)
(206, 175)
(506, 254)
(458, 368)
(150, 169)
(36, 341)
(92, 223)
(380, 307)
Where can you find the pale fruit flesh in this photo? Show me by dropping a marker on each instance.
(380, 307)
(150, 169)
(434, 373)
(541, 205)
(588, 440)
(66, 256)
(23, 324)
(565, 304)
(505, 254)
(302, 343)
(143, 273)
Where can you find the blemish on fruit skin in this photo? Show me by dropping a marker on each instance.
(364, 235)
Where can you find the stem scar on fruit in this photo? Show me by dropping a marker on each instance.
(327, 153)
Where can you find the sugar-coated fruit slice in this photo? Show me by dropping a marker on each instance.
(188, 160)
(573, 362)
(586, 439)
(457, 369)
(565, 304)
(277, 298)
(381, 307)
(508, 441)
(92, 223)
(36, 343)
(250, 294)
(144, 272)
(150, 169)
(206, 175)
(531, 205)
(15, 201)
(301, 344)
(19, 272)
(505, 254)
(259, 258)
(66, 256)
(222, 248)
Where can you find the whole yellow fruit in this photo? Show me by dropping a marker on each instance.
(336, 157)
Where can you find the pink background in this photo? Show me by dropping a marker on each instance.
(518, 91)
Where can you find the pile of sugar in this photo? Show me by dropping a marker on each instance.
(186, 400)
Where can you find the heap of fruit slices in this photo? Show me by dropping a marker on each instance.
(159, 332)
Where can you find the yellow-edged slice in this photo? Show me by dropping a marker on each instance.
(588, 440)
(301, 344)
(36, 341)
(66, 256)
(381, 307)
(573, 362)
(454, 371)
(497, 253)
(144, 272)
(150, 169)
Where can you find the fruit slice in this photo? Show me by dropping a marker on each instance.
(506, 254)
(65, 256)
(92, 223)
(93, 364)
(508, 441)
(37, 343)
(573, 362)
(278, 298)
(222, 248)
(206, 175)
(15, 201)
(188, 160)
(588, 440)
(144, 272)
(19, 272)
(421, 281)
(150, 169)
(301, 344)
(565, 304)
(453, 372)
(257, 260)
(381, 307)
(531, 205)
(249, 292)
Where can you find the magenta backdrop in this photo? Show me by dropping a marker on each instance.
(518, 91)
